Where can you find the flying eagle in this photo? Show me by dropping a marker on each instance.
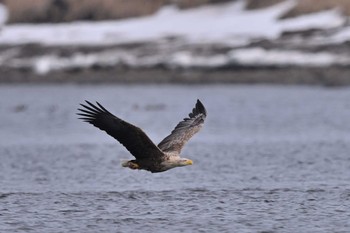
(148, 156)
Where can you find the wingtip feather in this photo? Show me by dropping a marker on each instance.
(100, 105)
(200, 108)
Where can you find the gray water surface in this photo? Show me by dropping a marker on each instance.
(269, 159)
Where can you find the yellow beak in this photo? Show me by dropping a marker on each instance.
(189, 162)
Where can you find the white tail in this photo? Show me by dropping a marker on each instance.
(125, 163)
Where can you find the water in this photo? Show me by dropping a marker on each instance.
(269, 159)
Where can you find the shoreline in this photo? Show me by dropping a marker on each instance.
(322, 76)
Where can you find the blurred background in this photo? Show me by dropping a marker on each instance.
(272, 157)
(177, 41)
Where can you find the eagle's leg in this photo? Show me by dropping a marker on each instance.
(131, 164)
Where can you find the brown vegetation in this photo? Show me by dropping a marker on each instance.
(257, 4)
(185, 4)
(110, 9)
(310, 6)
(70, 10)
(27, 11)
(39, 11)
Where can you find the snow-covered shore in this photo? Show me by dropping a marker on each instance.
(209, 38)
(227, 23)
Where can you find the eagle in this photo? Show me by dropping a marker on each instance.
(148, 156)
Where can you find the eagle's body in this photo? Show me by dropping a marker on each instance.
(148, 156)
(160, 164)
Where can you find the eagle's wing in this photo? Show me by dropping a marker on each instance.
(184, 130)
(132, 137)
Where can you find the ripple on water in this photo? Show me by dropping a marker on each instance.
(269, 159)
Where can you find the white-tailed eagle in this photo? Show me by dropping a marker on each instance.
(148, 156)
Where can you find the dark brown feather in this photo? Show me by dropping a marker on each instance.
(184, 130)
(132, 137)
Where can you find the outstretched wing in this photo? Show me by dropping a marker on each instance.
(184, 130)
(132, 137)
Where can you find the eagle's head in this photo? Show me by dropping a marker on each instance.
(176, 162)
(184, 162)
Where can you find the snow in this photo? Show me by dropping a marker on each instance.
(219, 23)
(183, 59)
(261, 57)
(3, 15)
(341, 35)
(186, 59)
(227, 23)
(323, 20)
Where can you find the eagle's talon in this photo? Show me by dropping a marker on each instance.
(133, 165)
